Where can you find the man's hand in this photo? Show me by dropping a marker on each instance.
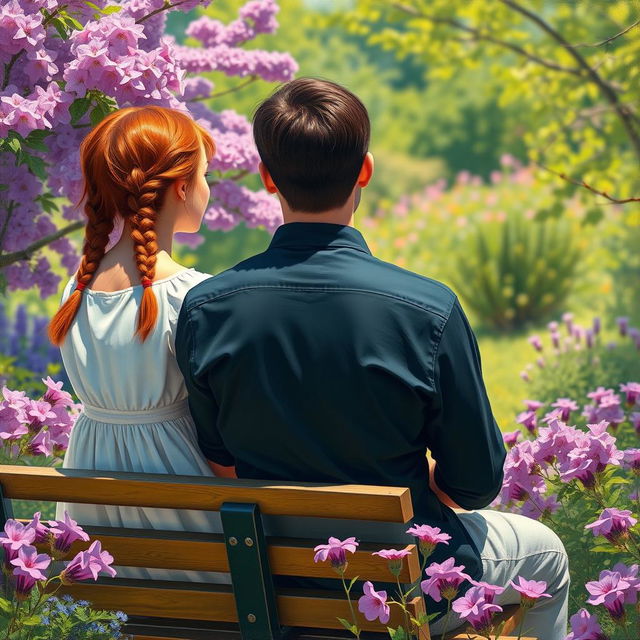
(222, 472)
(443, 497)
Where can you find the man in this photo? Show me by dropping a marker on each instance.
(315, 361)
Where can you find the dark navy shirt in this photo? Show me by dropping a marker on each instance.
(315, 361)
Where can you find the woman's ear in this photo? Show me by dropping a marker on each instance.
(265, 176)
(180, 187)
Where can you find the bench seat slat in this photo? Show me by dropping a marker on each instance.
(349, 501)
(296, 609)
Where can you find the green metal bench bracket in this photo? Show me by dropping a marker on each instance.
(250, 575)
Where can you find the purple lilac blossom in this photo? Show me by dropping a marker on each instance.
(132, 62)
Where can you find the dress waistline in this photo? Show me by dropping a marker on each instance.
(179, 409)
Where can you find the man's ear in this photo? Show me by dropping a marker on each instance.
(366, 171)
(265, 176)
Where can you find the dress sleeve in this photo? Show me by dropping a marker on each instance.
(202, 403)
(461, 432)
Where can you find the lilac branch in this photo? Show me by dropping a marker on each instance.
(25, 254)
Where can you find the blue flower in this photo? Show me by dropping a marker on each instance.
(67, 598)
(121, 615)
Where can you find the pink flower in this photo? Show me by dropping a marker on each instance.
(66, 532)
(28, 565)
(528, 420)
(490, 590)
(444, 580)
(538, 507)
(16, 535)
(42, 532)
(54, 394)
(623, 325)
(511, 438)
(634, 419)
(535, 342)
(11, 426)
(612, 524)
(392, 554)
(632, 389)
(566, 406)
(373, 604)
(474, 608)
(88, 564)
(610, 590)
(428, 537)
(334, 551)
(393, 558)
(530, 590)
(584, 626)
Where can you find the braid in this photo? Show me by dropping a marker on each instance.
(97, 231)
(141, 201)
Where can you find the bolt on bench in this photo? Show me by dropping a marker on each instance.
(250, 609)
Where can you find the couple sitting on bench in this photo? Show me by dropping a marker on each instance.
(311, 361)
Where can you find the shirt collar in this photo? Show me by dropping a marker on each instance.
(319, 235)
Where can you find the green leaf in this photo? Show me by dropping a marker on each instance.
(98, 113)
(14, 144)
(398, 634)
(73, 22)
(604, 548)
(112, 9)
(423, 618)
(36, 165)
(5, 605)
(593, 216)
(30, 621)
(353, 580)
(3, 187)
(345, 623)
(59, 24)
(78, 108)
(35, 143)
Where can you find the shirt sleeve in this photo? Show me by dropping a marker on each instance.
(461, 432)
(202, 403)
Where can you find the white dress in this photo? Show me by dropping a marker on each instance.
(136, 415)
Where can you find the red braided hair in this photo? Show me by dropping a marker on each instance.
(129, 160)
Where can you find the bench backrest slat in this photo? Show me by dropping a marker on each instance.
(357, 502)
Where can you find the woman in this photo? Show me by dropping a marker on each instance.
(144, 167)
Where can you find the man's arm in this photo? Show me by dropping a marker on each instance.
(461, 432)
(202, 403)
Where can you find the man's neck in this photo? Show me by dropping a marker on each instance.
(330, 216)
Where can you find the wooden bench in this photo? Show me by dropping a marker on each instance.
(163, 610)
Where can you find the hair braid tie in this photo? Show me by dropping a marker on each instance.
(146, 282)
(80, 286)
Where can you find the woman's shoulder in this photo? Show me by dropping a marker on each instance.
(177, 285)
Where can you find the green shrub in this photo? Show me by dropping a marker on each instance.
(517, 271)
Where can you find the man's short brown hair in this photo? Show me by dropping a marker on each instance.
(312, 135)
